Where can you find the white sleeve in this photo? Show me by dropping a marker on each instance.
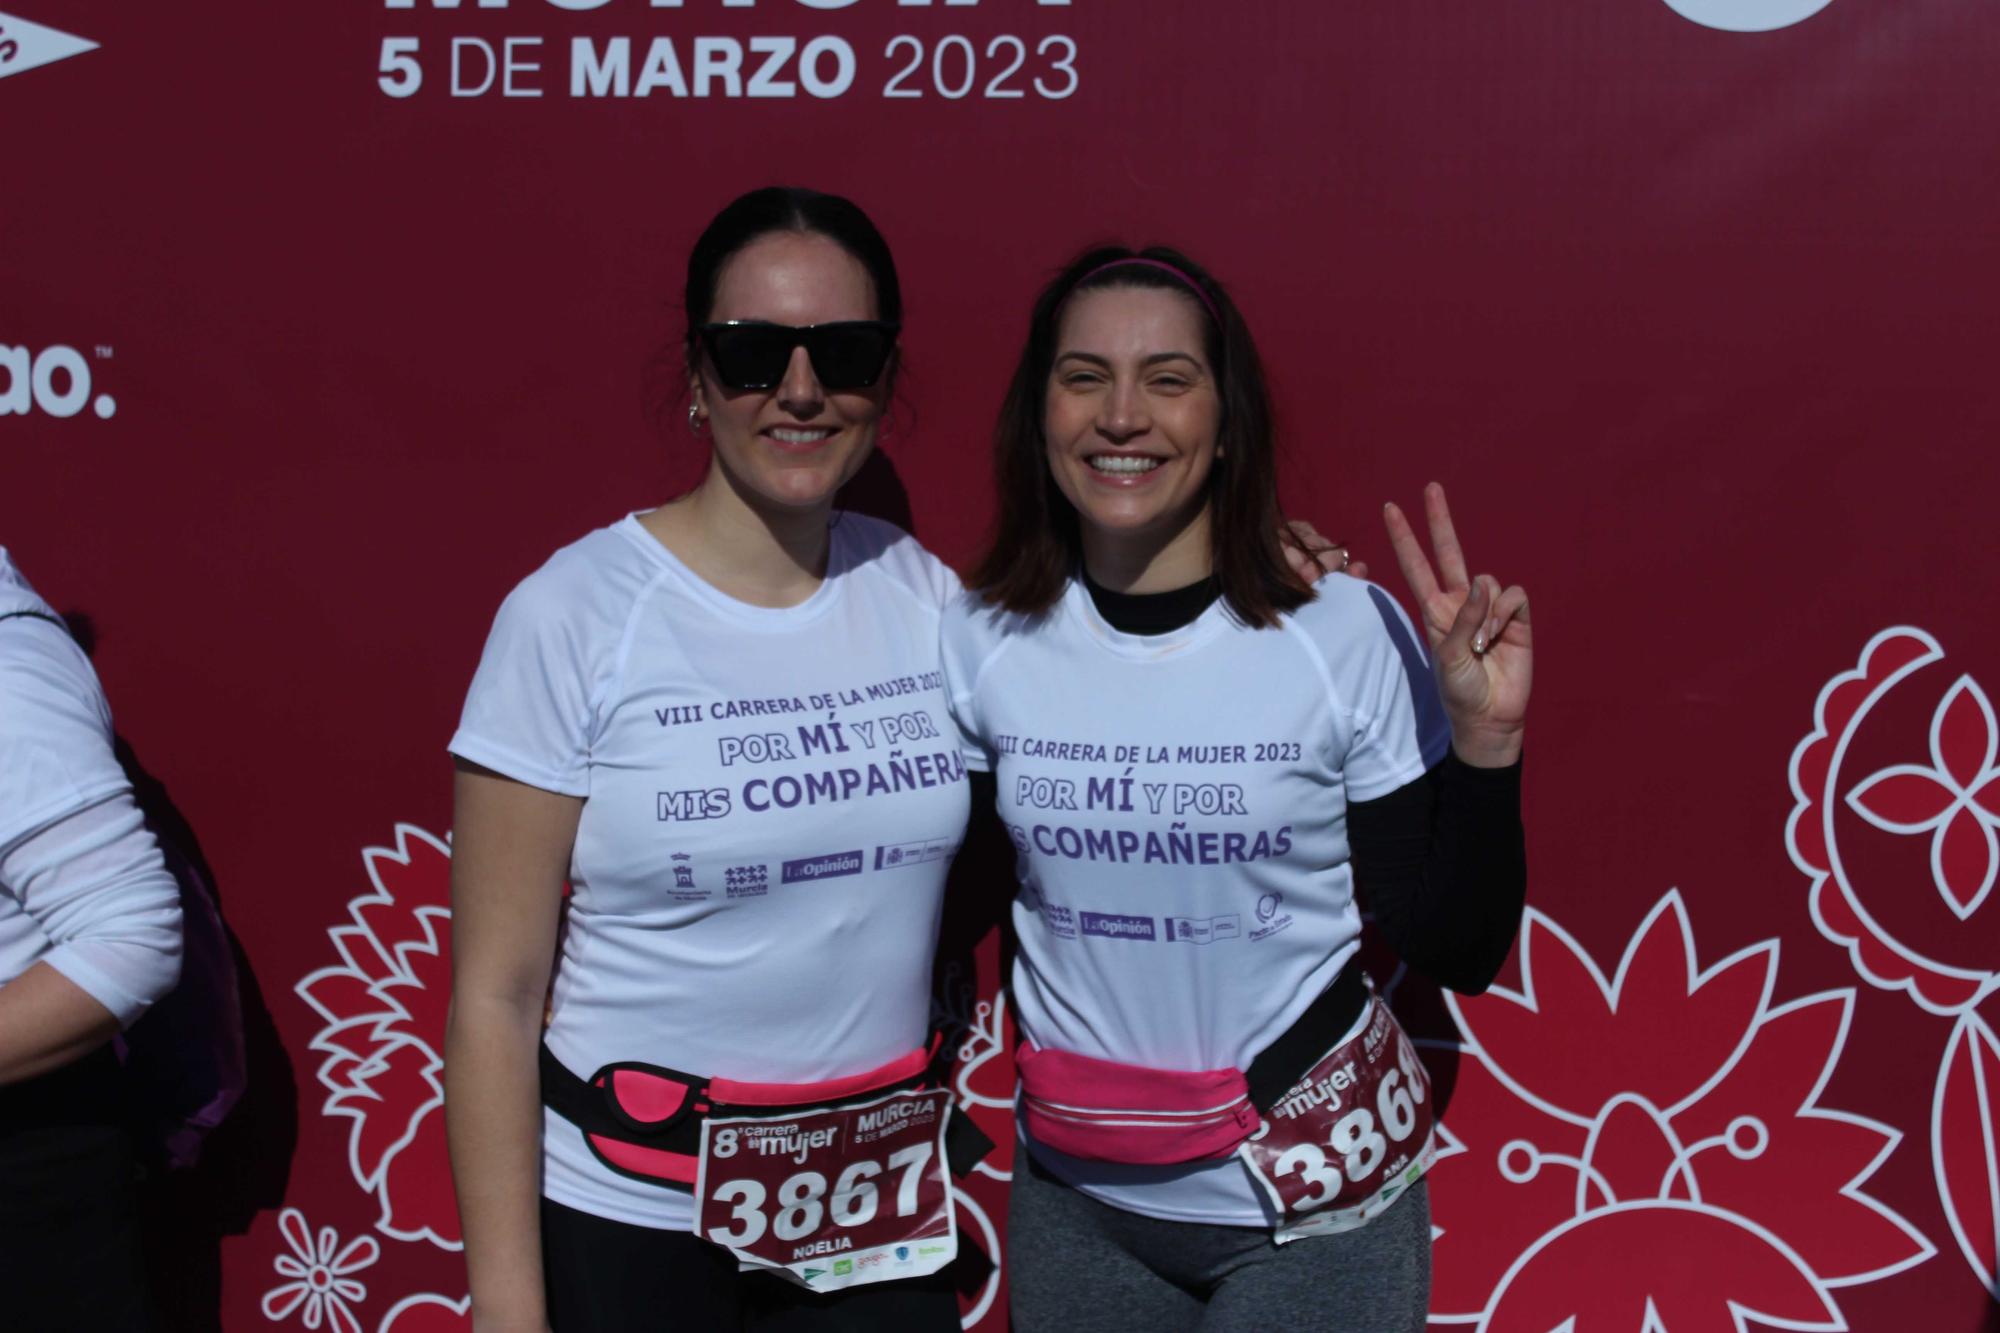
(1399, 723)
(956, 645)
(55, 731)
(949, 586)
(96, 886)
(529, 713)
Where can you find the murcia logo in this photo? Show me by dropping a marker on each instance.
(55, 379)
(747, 881)
(25, 45)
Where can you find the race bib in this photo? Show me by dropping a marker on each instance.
(1350, 1136)
(833, 1197)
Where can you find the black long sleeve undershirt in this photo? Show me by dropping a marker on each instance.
(1440, 861)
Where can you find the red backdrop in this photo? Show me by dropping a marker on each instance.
(299, 375)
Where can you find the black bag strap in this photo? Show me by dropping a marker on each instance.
(965, 1144)
(1285, 1061)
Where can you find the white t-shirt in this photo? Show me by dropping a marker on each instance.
(772, 798)
(1179, 803)
(82, 884)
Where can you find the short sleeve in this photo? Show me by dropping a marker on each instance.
(82, 886)
(945, 579)
(106, 910)
(529, 713)
(1400, 727)
(961, 655)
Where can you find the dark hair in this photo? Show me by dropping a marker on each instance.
(1036, 544)
(784, 208)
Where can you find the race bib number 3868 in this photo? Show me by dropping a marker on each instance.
(1347, 1139)
(833, 1197)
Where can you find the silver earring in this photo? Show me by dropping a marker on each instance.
(695, 419)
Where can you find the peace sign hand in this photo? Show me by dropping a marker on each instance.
(1480, 641)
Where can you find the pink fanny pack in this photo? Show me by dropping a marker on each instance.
(1108, 1112)
(644, 1121)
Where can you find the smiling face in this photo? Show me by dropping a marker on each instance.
(793, 446)
(1130, 420)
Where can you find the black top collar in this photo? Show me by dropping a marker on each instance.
(1152, 612)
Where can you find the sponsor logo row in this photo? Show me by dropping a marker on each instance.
(1068, 923)
(754, 880)
(904, 1255)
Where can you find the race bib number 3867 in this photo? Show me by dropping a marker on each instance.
(1347, 1139)
(833, 1197)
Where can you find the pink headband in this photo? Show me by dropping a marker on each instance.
(1164, 267)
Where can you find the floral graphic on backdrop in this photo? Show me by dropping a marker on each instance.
(322, 1287)
(1955, 798)
(1946, 960)
(983, 1082)
(1922, 924)
(1660, 1129)
(384, 1009)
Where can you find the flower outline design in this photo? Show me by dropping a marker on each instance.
(1956, 798)
(1834, 899)
(321, 1270)
(383, 1007)
(1722, 1152)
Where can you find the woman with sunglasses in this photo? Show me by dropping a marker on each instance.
(1199, 758)
(710, 718)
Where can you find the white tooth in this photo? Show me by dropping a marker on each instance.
(1123, 463)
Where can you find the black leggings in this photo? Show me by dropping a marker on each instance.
(607, 1277)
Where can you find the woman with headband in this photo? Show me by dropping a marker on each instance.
(1199, 758)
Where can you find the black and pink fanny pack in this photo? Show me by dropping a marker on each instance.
(644, 1120)
(1105, 1111)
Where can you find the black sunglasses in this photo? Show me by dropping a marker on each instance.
(848, 355)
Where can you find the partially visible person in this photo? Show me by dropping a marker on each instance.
(90, 937)
(1206, 764)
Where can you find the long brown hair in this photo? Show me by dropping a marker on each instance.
(1036, 545)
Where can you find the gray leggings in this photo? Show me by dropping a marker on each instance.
(1080, 1266)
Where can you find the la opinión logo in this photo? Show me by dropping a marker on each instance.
(56, 380)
